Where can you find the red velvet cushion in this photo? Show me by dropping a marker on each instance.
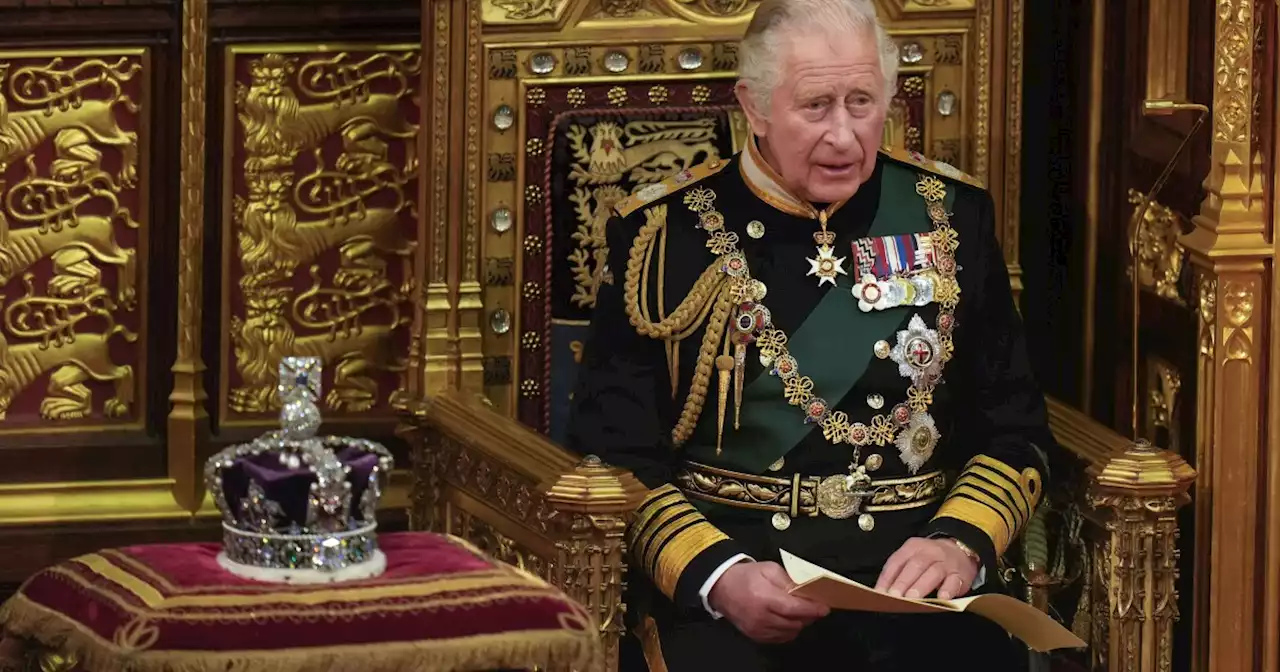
(441, 605)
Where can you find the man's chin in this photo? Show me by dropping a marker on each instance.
(824, 191)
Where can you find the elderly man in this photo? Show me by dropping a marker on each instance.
(813, 346)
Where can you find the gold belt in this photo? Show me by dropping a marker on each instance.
(809, 495)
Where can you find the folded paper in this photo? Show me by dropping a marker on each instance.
(1034, 627)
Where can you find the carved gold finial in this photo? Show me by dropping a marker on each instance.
(1145, 470)
(595, 487)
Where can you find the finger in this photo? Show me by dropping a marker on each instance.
(892, 567)
(952, 587)
(928, 581)
(797, 608)
(910, 572)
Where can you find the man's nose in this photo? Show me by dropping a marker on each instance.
(840, 135)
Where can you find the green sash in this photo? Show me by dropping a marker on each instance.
(833, 347)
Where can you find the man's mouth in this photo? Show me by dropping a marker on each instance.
(836, 169)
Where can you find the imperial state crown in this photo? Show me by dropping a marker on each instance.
(298, 508)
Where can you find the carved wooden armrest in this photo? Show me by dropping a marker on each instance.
(482, 476)
(1118, 530)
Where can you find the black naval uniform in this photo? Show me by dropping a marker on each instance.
(739, 451)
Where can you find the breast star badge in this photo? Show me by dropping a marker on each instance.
(826, 265)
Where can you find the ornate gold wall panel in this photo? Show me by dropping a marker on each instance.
(74, 223)
(320, 223)
(584, 102)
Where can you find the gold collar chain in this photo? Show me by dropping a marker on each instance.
(908, 424)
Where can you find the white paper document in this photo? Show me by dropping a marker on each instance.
(1020, 619)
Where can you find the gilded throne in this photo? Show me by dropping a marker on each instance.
(576, 105)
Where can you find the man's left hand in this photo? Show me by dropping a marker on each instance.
(922, 566)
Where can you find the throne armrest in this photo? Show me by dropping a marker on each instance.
(482, 476)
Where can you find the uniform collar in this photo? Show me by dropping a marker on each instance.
(768, 186)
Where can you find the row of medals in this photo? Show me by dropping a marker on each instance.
(841, 496)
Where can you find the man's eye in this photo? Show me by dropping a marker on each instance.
(816, 104)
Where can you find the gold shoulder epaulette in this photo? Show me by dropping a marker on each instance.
(938, 167)
(680, 180)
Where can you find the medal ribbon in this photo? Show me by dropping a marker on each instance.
(888, 256)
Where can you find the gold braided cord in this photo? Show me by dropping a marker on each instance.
(708, 302)
(673, 351)
(693, 404)
(685, 315)
(696, 323)
(644, 284)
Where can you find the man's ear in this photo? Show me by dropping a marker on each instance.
(755, 118)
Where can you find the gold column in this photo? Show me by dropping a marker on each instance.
(1141, 489)
(1012, 188)
(433, 324)
(1229, 250)
(188, 418)
(470, 292)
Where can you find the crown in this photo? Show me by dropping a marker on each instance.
(299, 508)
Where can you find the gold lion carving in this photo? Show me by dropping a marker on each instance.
(277, 125)
(59, 90)
(74, 293)
(76, 107)
(286, 222)
(49, 206)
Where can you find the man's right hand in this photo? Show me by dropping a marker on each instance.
(754, 597)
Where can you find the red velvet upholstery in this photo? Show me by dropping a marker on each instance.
(441, 605)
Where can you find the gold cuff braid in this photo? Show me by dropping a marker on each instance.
(667, 534)
(993, 497)
(709, 302)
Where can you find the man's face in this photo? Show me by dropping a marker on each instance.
(825, 120)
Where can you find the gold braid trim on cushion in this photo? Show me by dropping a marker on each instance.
(667, 534)
(708, 302)
(993, 497)
(563, 649)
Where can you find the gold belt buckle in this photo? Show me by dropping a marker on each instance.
(840, 496)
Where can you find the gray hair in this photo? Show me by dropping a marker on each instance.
(761, 51)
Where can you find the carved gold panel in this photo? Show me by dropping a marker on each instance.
(922, 6)
(569, 129)
(711, 12)
(74, 180)
(319, 222)
(1164, 382)
(1161, 257)
(523, 11)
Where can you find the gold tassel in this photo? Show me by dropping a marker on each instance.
(739, 366)
(724, 363)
